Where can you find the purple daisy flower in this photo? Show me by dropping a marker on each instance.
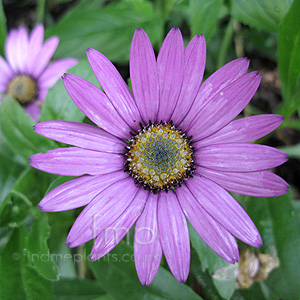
(26, 75)
(182, 152)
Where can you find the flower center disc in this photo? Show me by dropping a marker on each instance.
(23, 88)
(159, 157)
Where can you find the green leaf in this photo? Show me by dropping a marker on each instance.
(117, 275)
(222, 272)
(289, 58)
(203, 278)
(77, 289)
(27, 184)
(5, 235)
(17, 128)
(105, 297)
(2, 28)
(63, 1)
(254, 292)
(36, 287)
(18, 208)
(108, 29)
(257, 210)
(285, 226)
(67, 268)
(21, 280)
(165, 7)
(292, 151)
(295, 124)
(11, 265)
(58, 105)
(38, 249)
(14, 210)
(9, 172)
(260, 14)
(204, 16)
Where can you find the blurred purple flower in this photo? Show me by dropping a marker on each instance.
(175, 169)
(26, 75)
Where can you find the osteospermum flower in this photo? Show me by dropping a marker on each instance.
(182, 152)
(26, 75)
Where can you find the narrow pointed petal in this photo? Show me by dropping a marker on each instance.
(239, 157)
(114, 87)
(105, 208)
(76, 162)
(11, 49)
(194, 65)
(3, 87)
(170, 66)
(44, 56)
(213, 85)
(144, 76)
(35, 45)
(95, 105)
(224, 107)
(224, 209)
(81, 135)
(6, 73)
(256, 184)
(78, 192)
(112, 235)
(213, 234)
(54, 71)
(243, 130)
(22, 49)
(147, 247)
(174, 235)
(41, 96)
(33, 110)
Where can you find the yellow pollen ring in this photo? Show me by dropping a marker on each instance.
(23, 88)
(160, 157)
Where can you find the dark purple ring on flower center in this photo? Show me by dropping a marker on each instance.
(23, 88)
(160, 157)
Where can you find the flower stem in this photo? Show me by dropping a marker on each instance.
(225, 43)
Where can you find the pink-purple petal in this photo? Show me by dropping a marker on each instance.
(41, 96)
(44, 56)
(215, 84)
(78, 192)
(33, 110)
(11, 49)
(170, 66)
(112, 235)
(144, 76)
(114, 87)
(76, 162)
(104, 209)
(3, 87)
(54, 71)
(22, 49)
(244, 130)
(6, 72)
(239, 157)
(174, 235)
(213, 234)
(95, 105)
(147, 247)
(224, 107)
(35, 45)
(80, 135)
(256, 184)
(194, 65)
(224, 209)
